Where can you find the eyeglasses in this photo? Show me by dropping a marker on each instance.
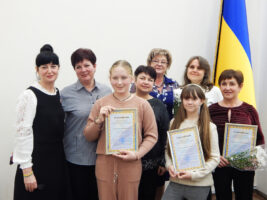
(160, 62)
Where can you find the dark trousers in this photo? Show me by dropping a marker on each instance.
(148, 185)
(83, 182)
(209, 195)
(242, 182)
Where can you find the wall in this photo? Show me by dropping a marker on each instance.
(257, 16)
(114, 30)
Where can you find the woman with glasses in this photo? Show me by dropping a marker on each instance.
(161, 60)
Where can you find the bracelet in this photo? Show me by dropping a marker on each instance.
(28, 175)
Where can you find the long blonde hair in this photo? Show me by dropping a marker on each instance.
(194, 91)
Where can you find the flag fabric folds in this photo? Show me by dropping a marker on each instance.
(233, 50)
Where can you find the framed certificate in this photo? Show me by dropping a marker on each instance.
(239, 138)
(121, 131)
(186, 149)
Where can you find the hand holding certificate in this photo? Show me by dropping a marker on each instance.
(239, 138)
(121, 131)
(186, 149)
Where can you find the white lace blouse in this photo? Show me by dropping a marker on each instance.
(25, 111)
(212, 96)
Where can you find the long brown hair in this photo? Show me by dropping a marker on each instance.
(203, 64)
(194, 91)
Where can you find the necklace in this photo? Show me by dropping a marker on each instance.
(121, 100)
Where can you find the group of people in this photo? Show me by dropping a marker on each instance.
(60, 135)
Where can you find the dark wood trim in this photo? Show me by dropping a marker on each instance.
(260, 193)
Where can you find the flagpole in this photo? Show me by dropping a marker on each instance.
(218, 43)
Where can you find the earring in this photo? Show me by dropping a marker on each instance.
(38, 77)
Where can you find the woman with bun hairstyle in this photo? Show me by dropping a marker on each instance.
(39, 152)
(118, 175)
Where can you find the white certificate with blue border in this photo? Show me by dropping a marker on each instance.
(186, 149)
(239, 138)
(121, 131)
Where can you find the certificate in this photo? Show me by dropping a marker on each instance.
(239, 138)
(121, 131)
(186, 149)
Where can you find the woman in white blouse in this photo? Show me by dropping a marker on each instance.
(39, 131)
(197, 71)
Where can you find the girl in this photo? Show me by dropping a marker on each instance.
(118, 175)
(193, 184)
(197, 71)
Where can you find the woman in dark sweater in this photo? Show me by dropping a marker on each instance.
(144, 80)
(232, 110)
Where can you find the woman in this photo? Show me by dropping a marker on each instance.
(197, 71)
(161, 60)
(118, 175)
(39, 133)
(231, 109)
(194, 184)
(77, 101)
(144, 80)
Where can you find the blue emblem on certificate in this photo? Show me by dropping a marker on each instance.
(121, 131)
(186, 149)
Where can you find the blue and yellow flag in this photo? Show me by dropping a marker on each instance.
(233, 51)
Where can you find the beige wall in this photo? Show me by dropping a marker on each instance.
(117, 29)
(257, 14)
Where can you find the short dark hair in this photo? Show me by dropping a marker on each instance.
(147, 70)
(230, 73)
(46, 56)
(81, 54)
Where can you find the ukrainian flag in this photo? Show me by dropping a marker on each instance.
(233, 51)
